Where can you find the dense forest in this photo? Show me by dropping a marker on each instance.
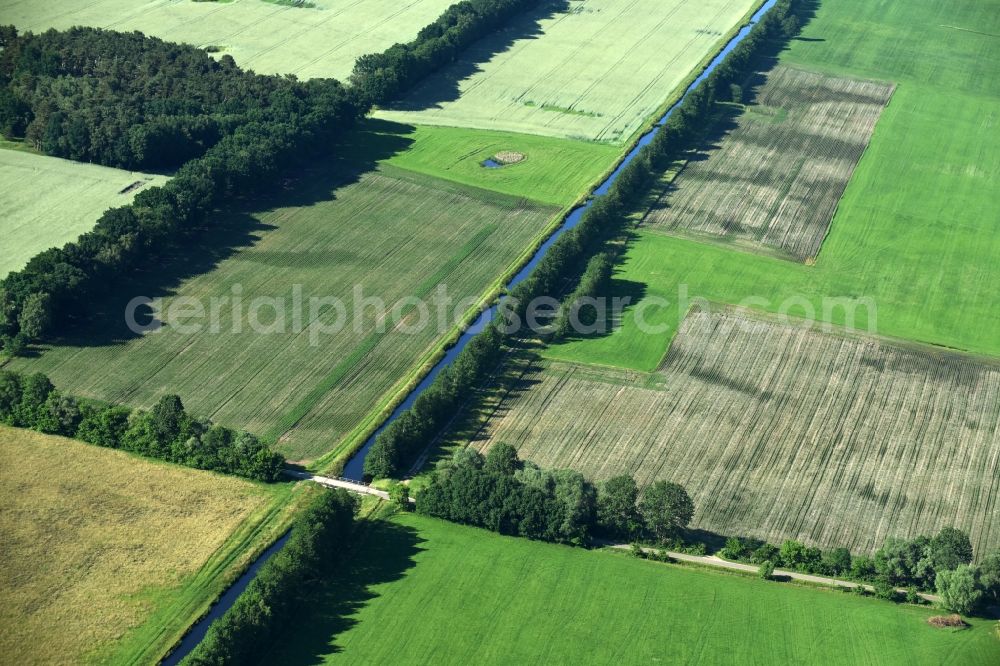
(254, 127)
(166, 432)
(134, 102)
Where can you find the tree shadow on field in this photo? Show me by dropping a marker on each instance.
(628, 294)
(517, 374)
(383, 554)
(232, 229)
(443, 86)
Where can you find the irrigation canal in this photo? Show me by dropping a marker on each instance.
(354, 470)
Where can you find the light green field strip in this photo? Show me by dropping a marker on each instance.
(393, 233)
(46, 201)
(916, 230)
(588, 69)
(424, 591)
(268, 38)
(780, 432)
(555, 171)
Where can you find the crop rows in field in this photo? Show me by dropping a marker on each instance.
(780, 432)
(590, 69)
(47, 202)
(393, 234)
(269, 38)
(777, 177)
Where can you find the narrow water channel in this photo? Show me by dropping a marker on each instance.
(354, 469)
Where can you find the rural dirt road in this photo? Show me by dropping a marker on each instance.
(714, 561)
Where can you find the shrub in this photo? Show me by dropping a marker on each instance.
(884, 589)
(960, 590)
(399, 494)
(734, 549)
(766, 570)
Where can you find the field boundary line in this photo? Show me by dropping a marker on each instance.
(864, 152)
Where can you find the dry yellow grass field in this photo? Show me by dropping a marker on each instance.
(96, 542)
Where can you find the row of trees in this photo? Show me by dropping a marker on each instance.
(942, 564)
(412, 430)
(62, 283)
(505, 495)
(285, 585)
(578, 251)
(581, 308)
(382, 77)
(166, 432)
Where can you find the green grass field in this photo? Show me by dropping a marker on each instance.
(916, 229)
(778, 432)
(46, 201)
(108, 557)
(556, 171)
(590, 69)
(426, 591)
(267, 37)
(394, 234)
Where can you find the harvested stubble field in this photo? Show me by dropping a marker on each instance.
(108, 557)
(780, 432)
(393, 233)
(426, 591)
(777, 177)
(267, 37)
(47, 202)
(588, 69)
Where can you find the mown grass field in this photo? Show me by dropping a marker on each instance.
(780, 432)
(774, 179)
(916, 228)
(393, 234)
(586, 69)
(556, 171)
(424, 591)
(108, 557)
(267, 37)
(46, 201)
